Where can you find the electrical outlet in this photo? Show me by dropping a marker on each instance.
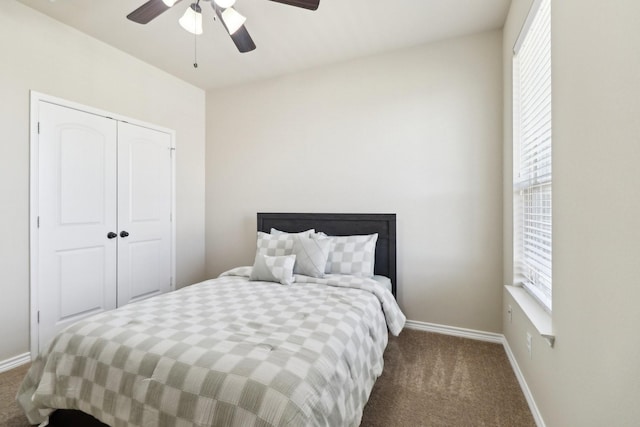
(529, 344)
(509, 313)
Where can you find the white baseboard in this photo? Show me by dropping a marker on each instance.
(489, 337)
(455, 331)
(537, 416)
(14, 362)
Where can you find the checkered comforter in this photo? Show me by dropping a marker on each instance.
(224, 352)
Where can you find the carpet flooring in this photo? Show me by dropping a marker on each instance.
(437, 380)
(10, 413)
(428, 380)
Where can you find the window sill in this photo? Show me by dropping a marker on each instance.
(538, 316)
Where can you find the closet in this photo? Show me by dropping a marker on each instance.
(102, 200)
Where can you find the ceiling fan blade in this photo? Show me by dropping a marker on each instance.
(306, 4)
(149, 11)
(241, 37)
(243, 40)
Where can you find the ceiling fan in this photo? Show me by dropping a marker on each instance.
(191, 21)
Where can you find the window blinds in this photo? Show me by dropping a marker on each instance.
(532, 149)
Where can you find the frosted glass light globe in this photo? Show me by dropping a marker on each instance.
(225, 3)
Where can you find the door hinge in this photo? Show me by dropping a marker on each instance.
(38, 225)
(38, 128)
(38, 316)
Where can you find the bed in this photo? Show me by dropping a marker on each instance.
(289, 349)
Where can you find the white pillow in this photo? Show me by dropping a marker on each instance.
(354, 255)
(277, 269)
(311, 255)
(307, 233)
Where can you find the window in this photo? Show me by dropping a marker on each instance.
(532, 153)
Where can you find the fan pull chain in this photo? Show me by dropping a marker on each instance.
(195, 42)
(195, 51)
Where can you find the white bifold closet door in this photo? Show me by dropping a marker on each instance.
(104, 215)
(144, 212)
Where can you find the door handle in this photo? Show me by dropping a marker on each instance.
(124, 234)
(111, 235)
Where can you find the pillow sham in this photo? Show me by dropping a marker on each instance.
(274, 245)
(354, 255)
(276, 232)
(311, 255)
(277, 269)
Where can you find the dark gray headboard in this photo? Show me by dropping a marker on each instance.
(343, 224)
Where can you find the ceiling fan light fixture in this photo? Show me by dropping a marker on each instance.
(225, 3)
(169, 3)
(233, 20)
(192, 19)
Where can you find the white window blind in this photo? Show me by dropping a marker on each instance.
(532, 154)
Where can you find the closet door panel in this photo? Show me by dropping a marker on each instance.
(76, 209)
(144, 212)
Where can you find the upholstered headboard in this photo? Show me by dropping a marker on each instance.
(344, 224)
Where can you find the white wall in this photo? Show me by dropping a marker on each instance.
(417, 132)
(592, 375)
(38, 53)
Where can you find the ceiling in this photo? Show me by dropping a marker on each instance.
(288, 38)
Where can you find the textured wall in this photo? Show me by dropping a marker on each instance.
(41, 54)
(590, 377)
(417, 132)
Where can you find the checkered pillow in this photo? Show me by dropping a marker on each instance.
(311, 255)
(354, 255)
(307, 233)
(274, 245)
(277, 269)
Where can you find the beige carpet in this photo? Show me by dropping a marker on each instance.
(10, 413)
(438, 380)
(428, 380)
